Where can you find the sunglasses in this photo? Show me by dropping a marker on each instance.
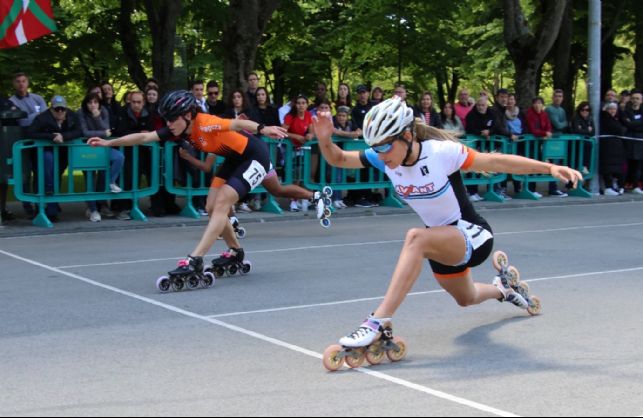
(60, 109)
(586, 109)
(213, 93)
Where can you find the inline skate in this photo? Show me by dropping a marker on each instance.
(230, 263)
(238, 229)
(370, 342)
(322, 200)
(188, 275)
(513, 289)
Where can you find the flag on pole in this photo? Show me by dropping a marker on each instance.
(24, 20)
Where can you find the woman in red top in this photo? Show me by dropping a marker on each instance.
(538, 123)
(298, 123)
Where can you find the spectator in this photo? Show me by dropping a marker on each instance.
(343, 96)
(463, 107)
(32, 104)
(197, 88)
(59, 125)
(480, 122)
(5, 104)
(215, 106)
(400, 91)
(632, 118)
(539, 125)
(378, 96)
(499, 110)
(624, 100)
(94, 121)
(516, 122)
(152, 96)
(251, 93)
(582, 122)
(451, 122)
(287, 107)
(610, 96)
(134, 118)
(343, 126)
(321, 91)
(426, 111)
(111, 104)
(362, 106)
(298, 124)
(265, 113)
(612, 155)
(238, 108)
(557, 114)
(151, 82)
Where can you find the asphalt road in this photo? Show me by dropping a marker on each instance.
(83, 331)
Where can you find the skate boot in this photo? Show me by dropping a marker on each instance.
(370, 342)
(512, 288)
(238, 230)
(230, 263)
(322, 201)
(188, 275)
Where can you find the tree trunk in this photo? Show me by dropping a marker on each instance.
(129, 42)
(162, 17)
(638, 53)
(242, 34)
(528, 50)
(564, 73)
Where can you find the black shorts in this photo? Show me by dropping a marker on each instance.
(247, 171)
(479, 241)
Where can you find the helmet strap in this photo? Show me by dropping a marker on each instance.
(187, 124)
(409, 148)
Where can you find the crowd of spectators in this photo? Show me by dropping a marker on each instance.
(102, 114)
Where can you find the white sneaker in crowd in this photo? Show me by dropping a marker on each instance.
(637, 191)
(94, 216)
(294, 207)
(611, 192)
(255, 205)
(475, 198)
(305, 205)
(339, 204)
(244, 208)
(538, 195)
(114, 188)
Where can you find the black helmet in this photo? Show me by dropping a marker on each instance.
(177, 103)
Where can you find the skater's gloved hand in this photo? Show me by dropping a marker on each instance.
(569, 176)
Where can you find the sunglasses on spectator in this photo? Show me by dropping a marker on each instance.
(213, 93)
(60, 109)
(585, 109)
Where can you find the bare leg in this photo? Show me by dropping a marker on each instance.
(468, 293)
(445, 245)
(277, 189)
(218, 208)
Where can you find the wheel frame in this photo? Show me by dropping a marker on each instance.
(396, 356)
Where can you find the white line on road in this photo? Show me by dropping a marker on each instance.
(270, 340)
(355, 244)
(345, 302)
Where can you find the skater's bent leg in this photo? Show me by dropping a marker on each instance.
(443, 244)
(226, 196)
(275, 188)
(228, 234)
(466, 292)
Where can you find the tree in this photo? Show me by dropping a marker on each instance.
(528, 48)
(247, 20)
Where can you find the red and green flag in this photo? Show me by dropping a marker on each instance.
(24, 20)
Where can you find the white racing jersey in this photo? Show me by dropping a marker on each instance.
(433, 186)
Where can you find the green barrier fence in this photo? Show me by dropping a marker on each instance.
(483, 144)
(575, 151)
(343, 179)
(80, 157)
(200, 185)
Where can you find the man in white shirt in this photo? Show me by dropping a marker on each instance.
(198, 90)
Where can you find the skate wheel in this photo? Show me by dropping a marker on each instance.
(534, 306)
(241, 233)
(163, 284)
(327, 202)
(514, 276)
(219, 272)
(397, 354)
(192, 283)
(524, 286)
(328, 213)
(208, 279)
(232, 270)
(177, 285)
(246, 268)
(500, 260)
(333, 359)
(375, 353)
(355, 358)
(328, 191)
(325, 223)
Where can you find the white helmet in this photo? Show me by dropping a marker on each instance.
(387, 119)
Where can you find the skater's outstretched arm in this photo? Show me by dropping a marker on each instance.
(514, 164)
(125, 141)
(323, 129)
(274, 132)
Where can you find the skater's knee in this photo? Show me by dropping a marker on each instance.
(465, 300)
(415, 239)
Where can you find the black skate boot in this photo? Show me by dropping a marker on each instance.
(230, 263)
(189, 274)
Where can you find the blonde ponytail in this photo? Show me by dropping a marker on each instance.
(424, 132)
